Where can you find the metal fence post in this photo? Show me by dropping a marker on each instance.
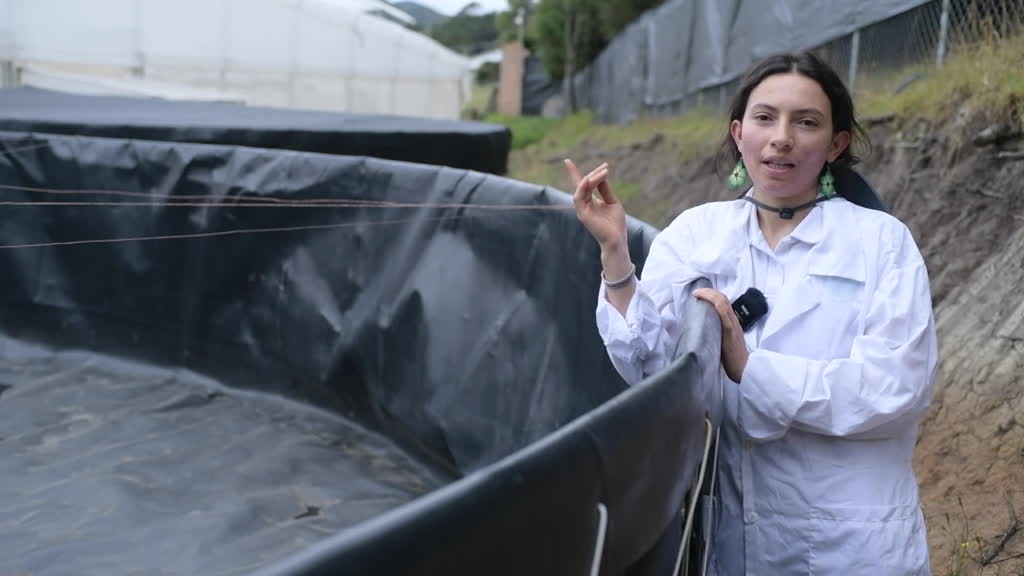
(854, 60)
(9, 54)
(940, 52)
(7, 75)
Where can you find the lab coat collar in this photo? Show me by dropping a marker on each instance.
(722, 251)
(836, 252)
(812, 228)
(840, 252)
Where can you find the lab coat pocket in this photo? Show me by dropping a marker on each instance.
(839, 289)
(836, 322)
(868, 541)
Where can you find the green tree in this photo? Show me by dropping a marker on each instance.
(513, 23)
(569, 34)
(616, 15)
(468, 32)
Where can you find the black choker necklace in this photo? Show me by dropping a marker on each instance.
(786, 213)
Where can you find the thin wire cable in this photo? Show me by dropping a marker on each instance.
(239, 231)
(252, 201)
(131, 194)
(240, 201)
(336, 204)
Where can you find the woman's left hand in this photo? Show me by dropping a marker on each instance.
(734, 347)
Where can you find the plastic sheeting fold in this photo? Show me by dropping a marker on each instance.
(411, 382)
(475, 146)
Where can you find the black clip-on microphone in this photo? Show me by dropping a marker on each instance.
(750, 307)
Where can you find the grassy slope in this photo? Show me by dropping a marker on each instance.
(540, 144)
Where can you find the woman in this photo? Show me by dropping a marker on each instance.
(823, 394)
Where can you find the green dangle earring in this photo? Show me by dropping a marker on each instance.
(827, 182)
(739, 175)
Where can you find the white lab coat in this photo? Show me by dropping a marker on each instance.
(815, 457)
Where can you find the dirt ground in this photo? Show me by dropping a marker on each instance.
(963, 198)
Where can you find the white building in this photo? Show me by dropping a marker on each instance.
(312, 54)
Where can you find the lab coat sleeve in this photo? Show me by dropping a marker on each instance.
(885, 382)
(641, 343)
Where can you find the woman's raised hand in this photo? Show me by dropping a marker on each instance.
(603, 216)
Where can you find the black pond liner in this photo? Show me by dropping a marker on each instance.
(478, 146)
(417, 387)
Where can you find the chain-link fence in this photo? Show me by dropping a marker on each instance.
(690, 53)
(889, 55)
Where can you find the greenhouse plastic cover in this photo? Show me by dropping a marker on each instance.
(475, 146)
(315, 54)
(409, 383)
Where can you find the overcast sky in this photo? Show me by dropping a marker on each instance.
(450, 7)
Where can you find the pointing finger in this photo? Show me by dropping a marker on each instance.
(574, 173)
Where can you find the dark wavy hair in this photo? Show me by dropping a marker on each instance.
(809, 65)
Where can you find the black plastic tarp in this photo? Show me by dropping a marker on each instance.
(412, 382)
(666, 57)
(478, 146)
(537, 87)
